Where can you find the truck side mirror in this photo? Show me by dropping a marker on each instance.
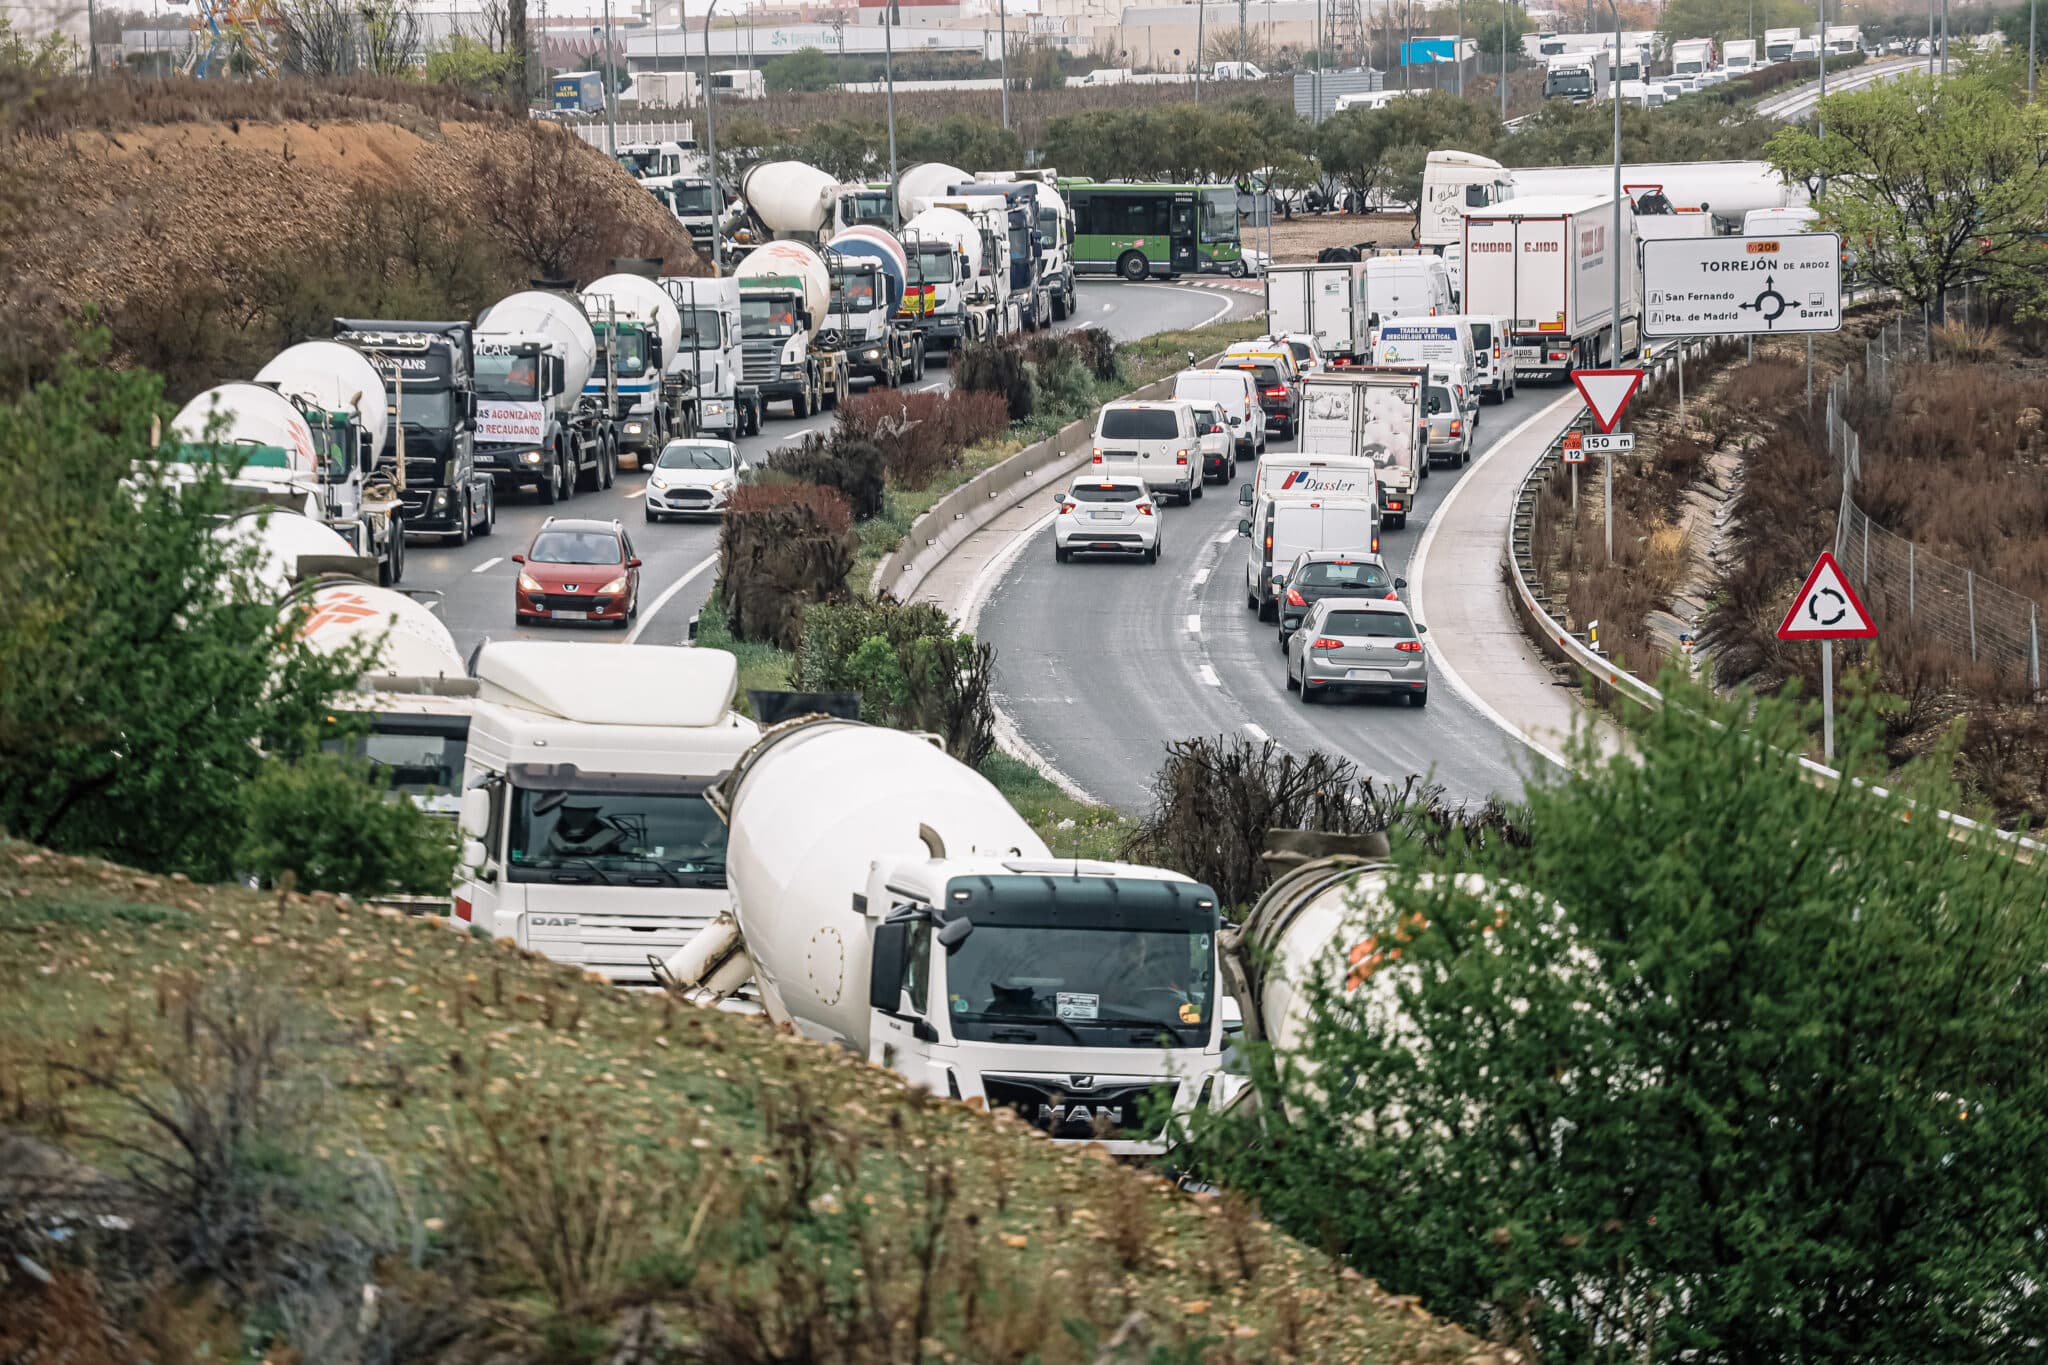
(476, 813)
(366, 452)
(1244, 526)
(885, 967)
(954, 932)
(1244, 494)
(473, 854)
(1399, 584)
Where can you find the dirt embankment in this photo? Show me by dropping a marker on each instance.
(219, 224)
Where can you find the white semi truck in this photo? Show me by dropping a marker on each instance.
(891, 901)
(1455, 183)
(708, 311)
(587, 836)
(1548, 266)
(535, 352)
(1329, 301)
(954, 295)
(342, 397)
(790, 355)
(1580, 77)
(641, 375)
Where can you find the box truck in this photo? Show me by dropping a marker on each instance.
(1578, 76)
(1739, 58)
(1551, 266)
(1329, 302)
(1779, 42)
(1692, 57)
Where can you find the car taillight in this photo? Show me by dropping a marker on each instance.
(1069, 509)
(1375, 542)
(1457, 428)
(1180, 457)
(1392, 596)
(1096, 458)
(1408, 646)
(1269, 545)
(1325, 642)
(1295, 599)
(1276, 393)
(1144, 509)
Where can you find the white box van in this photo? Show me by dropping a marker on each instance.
(1445, 340)
(1288, 477)
(1493, 359)
(1237, 393)
(1156, 442)
(1409, 286)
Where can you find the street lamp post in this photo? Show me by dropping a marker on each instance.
(1457, 48)
(611, 96)
(1003, 57)
(1503, 61)
(711, 137)
(1615, 247)
(2032, 5)
(1820, 123)
(889, 83)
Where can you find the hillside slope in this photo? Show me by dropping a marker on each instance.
(208, 225)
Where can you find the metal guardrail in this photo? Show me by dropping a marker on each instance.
(1533, 601)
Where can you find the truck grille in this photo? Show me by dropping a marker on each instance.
(763, 364)
(1072, 1111)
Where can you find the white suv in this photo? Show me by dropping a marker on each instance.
(1106, 514)
(1153, 442)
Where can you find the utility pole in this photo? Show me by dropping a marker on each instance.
(889, 81)
(1944, 39)
(1615, 248)
(711, 137)
(1003, 32)
(611, 79)
(1503, 61)
(1243, 33)
(1458, 49)
(2032, 5)
(1820, 123)
(1201, 52)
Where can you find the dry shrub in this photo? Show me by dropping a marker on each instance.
(33, 107)
(921, 435)
(550, 203)
(782, 547)
(1093, 347)
(1963, 344)
(996, 367)
(853, 466)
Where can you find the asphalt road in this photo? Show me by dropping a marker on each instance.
(1099, 663)
(474, 582)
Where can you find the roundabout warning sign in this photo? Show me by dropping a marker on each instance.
(1742, 286)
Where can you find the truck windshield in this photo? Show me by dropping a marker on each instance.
(632, 352)
(869, 207)
(1089, 979)
(1020, 245)
(641, 164)
(619, 838)
(767, 317)
(700, 330)
(1049, 224)
(693, 199)
(855, 294)
(433, 409)
(508, 376)
(416, 756)
(1570, 83)
(932, 265)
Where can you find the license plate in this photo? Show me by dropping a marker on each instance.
(571, 615)
(1528, 353)
(1106, 516)
(1366, 675)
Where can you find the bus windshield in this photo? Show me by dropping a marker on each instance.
(1219, 215)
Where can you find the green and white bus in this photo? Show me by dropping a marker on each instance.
(1154, 231)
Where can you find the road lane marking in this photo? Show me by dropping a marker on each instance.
(647, 617)
(1194, 624)
(491, 563)
(1201, 578)
(1209, 676)
(1225, 536)
(635, 493)
(433, 605)
(1256, 733)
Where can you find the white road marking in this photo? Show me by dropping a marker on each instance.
(433, 604)
(1109, 308)
(647, 616)
(1420, 558)
(1256, 733)
(636, 492)
(1224, 537)
(1209, 676)
(928, 388)
(491, 563)
(1201, 578)
(1194, 624)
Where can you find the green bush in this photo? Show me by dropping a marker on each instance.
(1725, 1065)
(910, 665)
(324, 820)
(995, 367)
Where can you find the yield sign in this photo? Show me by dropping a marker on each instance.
(1607, 392)
(1827, 608)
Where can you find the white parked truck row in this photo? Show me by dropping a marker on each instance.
(1456, 183)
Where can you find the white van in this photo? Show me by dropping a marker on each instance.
(1493, 359)
(1156, 442)
(1409, 286)
(1237, 393)
(1778, 222)
(1290, 477)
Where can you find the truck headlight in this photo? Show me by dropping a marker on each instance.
(632, 428)
(717, 409)
(871, 353)
(529, 456)
(441, 500)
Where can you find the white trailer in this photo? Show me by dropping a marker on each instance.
(1725, 189)
(1779, 42)
(1326, 301)
(1453, 182)
(889, 900)
(1549, 266)
(587, 836)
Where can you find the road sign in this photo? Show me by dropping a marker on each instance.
(1619, 443)
(1607, 392)
(1742, 286)
(1574, 448)
(1827, 608)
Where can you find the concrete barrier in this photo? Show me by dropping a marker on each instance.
(988, 495)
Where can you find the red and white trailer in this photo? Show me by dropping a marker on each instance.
(1548, 266)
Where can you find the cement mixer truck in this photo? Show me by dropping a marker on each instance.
(642, 377)
(790, 200)
(710, 313)
(957, 286)
(341, 397)
(888, 899)
(791, 355)
(535, 352)
(868, 268)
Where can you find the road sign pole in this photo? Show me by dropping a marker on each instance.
(1575, 494)
(1827, 702)
(1681, 383)
(1809, 374)
(1607, 503)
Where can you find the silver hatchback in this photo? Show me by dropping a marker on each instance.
(1358, 644)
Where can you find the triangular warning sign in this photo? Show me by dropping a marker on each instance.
(1827, 608)
(1607, 392)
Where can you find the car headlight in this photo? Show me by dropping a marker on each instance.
(530, 456)
(527, 583)
(657, 483)
(724, 485)
(613, 588)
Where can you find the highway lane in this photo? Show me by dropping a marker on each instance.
(1099, 663)
(1799, 102)
(474, 582)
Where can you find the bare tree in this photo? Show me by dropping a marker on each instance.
(317, 37)
(390, 37)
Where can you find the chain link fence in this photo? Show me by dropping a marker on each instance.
(1984, 622)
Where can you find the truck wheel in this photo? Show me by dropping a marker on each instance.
(1061, 306)
(800, 404)
(465, 522)
(1133, 266)
(490, 521)
(397, 561)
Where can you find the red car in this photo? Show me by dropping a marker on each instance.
(578, 570)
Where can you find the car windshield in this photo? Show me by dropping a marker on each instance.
(679, 456)
(1098, 977)
(767, 317)
(1105, 492)
(616, 836)
(514, 377)
(431, 408)
(575, 547)
(1139, 424)
(1382, 625)
(1438, 400)
(1337, 575)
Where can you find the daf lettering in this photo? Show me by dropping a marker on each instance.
(554, 921)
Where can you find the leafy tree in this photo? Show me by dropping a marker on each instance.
(51, 55)
(1483, 25)
(1722, 20)
(1371, 150)
(1724, 1066)
(325, 821)
(807, 68)
(141, 661)
(963, 140)
(1566, 134)
(1931, 181)
(466, 62)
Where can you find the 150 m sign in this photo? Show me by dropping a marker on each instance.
(1742, 286)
